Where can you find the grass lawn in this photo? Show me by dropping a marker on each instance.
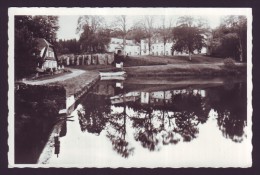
(92, 67)
(185, 70)
(74, 85)
(155, 60)
(163, 60)
(173, 65)
(49, 76)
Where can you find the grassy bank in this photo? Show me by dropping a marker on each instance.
(75, 85)
(132, 61)
(163, 60)
(185, 70)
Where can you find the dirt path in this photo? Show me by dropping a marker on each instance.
(74, 73)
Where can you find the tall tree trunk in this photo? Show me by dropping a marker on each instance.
(189, 55)
(164, 49)
(149, 46)
(240, 50)
(124, 42)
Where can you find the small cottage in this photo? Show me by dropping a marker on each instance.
(47, 58)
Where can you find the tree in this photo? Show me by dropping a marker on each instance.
(93, 35)
(230, 38)
(71, 46)
(137, 33)
(238, 24)
(149, 29)
(188, 36)
(165, 30)
(27, 29)
(46, 27)
(121, 28)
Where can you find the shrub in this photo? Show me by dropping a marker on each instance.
(229, 62)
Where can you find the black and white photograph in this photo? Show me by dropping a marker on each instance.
(130, 87)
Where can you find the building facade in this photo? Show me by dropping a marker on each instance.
(157, 47)
(116, 45)
(47, 58)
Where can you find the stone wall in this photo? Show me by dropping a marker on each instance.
(86, 59)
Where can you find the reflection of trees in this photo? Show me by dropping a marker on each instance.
(186, 125)
(117, 132)
(167, 127)
(191, 110)
(178, 119)
(154, 123)
(146, 132)
(230, 104)
(93, 116)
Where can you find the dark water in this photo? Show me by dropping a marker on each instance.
(134, 123)
(36, 112)
(124, 124)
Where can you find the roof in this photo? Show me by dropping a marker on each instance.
(41, 43)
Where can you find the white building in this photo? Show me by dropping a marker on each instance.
(157, 47)
(47, 58)
(131, 48)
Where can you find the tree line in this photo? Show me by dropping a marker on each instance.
(188, 34)
(27, 29)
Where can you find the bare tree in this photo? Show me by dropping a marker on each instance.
(165, 30)
(93, 21)
(121, 26)
(148, 22)
(89, 28)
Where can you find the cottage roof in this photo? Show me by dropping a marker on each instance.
(45, 46)
(41, 43)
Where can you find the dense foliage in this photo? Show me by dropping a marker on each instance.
(94, 37)
(27, 29)
(230, 38)
(189, 35)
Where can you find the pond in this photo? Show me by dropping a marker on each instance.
(157, 123)
(128, 124)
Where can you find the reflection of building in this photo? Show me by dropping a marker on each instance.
(157, 97)
(104, 88)
(131, 96)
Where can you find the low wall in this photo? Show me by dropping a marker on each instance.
(86, 59)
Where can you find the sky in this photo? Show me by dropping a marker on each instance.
(68, 24)
(68, 17)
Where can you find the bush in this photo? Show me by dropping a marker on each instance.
(229, 62)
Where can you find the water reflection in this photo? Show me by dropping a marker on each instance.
(116, 132)
(155, 118)
(94, 116)
(230, 104)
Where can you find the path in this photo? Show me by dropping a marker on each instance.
(74, 73)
